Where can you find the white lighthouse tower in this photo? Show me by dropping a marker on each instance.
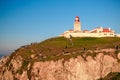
(77, 25)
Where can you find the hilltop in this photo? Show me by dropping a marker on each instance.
(61, 58)
(56, 48)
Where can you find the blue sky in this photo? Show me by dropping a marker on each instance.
(25, 21)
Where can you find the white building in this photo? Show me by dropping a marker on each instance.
(97, 32)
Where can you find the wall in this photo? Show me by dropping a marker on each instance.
(80, 34)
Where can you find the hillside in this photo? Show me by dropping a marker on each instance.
(63, 59)
(56, 48)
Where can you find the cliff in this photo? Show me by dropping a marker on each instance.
(63, 59)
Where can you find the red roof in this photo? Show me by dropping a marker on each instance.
(77, 20)
(106, 30)
(70, 30)
(85, 30)
(77, 16)
(95, 31)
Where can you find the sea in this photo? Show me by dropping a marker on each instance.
(1, 55)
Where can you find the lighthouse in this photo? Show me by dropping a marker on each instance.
(77, 25)
(97, 32)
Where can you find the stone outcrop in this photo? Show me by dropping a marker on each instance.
(79, 68)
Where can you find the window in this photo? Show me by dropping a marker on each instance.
(111, 34)
(105, 34)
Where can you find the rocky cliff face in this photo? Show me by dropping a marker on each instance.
(83, 67)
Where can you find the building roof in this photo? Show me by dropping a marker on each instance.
(95, 31)
(77, 16)
(106, 30)
(70, 30)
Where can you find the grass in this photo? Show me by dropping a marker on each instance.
(53, 48)
(61, 48)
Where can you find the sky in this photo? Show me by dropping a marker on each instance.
(26, 21)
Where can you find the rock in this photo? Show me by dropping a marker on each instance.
(3, 60)
(44, 57)
(7, 75)
(24, 76)
(118, 55)
(79, 68)
(32, 51)
(16, 63)
(32, 56)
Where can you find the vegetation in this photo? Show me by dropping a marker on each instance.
(60, 47)
(112, 76)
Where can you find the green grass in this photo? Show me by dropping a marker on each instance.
(24, 67)
(55, 46)
(59, 47)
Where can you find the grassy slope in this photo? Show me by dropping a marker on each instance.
(54, 47)
(57, 48)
